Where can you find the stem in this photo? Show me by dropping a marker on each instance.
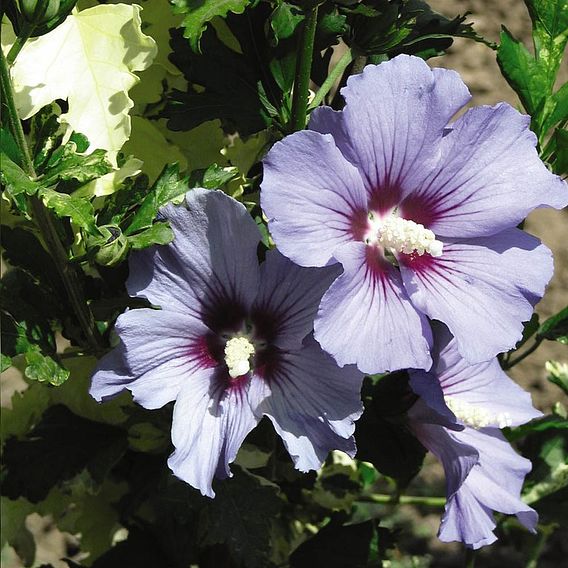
(25, 34)
(404, 500)
(66, 271)
(359, 64)
(469, 561)
(518, 359)
(13, 119)
(544, 532)
(336, 72)
(303, 70)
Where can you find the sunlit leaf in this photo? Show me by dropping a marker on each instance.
(89, 60)
(198, 13)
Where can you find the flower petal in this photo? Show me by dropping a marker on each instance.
(394, 120)
(366, 317)
(210, 422)
(313, 404)
(493, 484)
(111, 376)
(159, 351)
(488, 179)
(458, 458)
(483, 385)
(313, 197)
(482, 289)
(212, 260)
(288, 299)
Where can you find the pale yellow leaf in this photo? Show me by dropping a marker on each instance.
(89, 60)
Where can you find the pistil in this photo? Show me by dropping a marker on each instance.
(400, 235)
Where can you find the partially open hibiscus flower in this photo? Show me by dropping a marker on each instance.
(419, 212)
(458, 418)
(231, 343)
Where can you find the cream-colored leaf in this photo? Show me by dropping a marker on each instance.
(149, 144)
(109, 183)
(89, 60)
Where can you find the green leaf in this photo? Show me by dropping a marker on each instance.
(25, 411)
(240, 516)
(43, 368)
(5, 362)
(381, 436)
(555, 327)
(554, 455)
(66, 165)
(215, 177)
(14, 178)
(9, 146)
(336, 545)
(168, 186)
(59, 447)
(557, 108)
(157, 234)
(522, 72)
(225, 84)
(198, 13)
(78, 209)
(14, 530)
(284, 20)
(560, 162)
(550, 34)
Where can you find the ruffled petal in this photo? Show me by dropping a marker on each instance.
(458, 458)
(482, 289)
(313, 197)
(159, 352)
(494, 484)
(210, 422)
(483, 385)
(393, 123)
(313, 404)
(111, 376)
(488, 179)
(211, 262)
(366, 317)
(288, 299)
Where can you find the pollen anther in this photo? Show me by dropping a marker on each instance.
(402, 235)
(238, 351)
(476, 417)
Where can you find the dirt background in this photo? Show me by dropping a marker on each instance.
(478, 67)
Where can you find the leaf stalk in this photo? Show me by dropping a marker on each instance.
(303, 70)
(45, 223)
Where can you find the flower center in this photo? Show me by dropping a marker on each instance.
(476, 417)
(402, 235)
(238, 351)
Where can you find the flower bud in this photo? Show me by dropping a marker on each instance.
(39, 12)
(111, 247)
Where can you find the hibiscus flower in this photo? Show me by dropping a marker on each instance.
(420, 213)
(232, 342)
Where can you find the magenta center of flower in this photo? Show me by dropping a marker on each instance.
(398, 235)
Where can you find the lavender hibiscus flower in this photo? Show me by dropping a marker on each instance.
(230, 344)
(458, 417)
(420, 213)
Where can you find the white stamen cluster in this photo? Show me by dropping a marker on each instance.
(403, 235)
(476, 417)
(238, 351)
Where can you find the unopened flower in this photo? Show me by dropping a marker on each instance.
(419, 212)
(458, 418)
(231, 343)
